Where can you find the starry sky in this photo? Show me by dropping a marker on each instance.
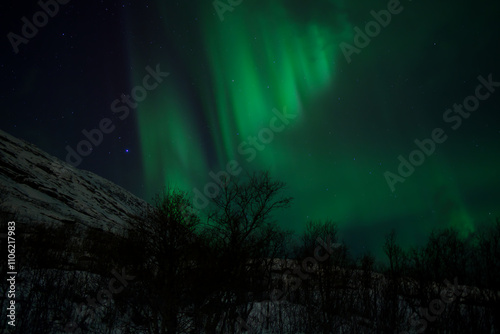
(329, 96)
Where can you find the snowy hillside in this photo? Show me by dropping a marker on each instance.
(38, 187)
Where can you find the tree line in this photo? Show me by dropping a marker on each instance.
(235, 270)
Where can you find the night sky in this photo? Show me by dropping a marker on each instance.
(212, 80)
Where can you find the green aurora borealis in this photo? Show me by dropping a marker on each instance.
(353, 120)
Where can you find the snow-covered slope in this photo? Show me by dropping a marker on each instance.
(38, 187)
